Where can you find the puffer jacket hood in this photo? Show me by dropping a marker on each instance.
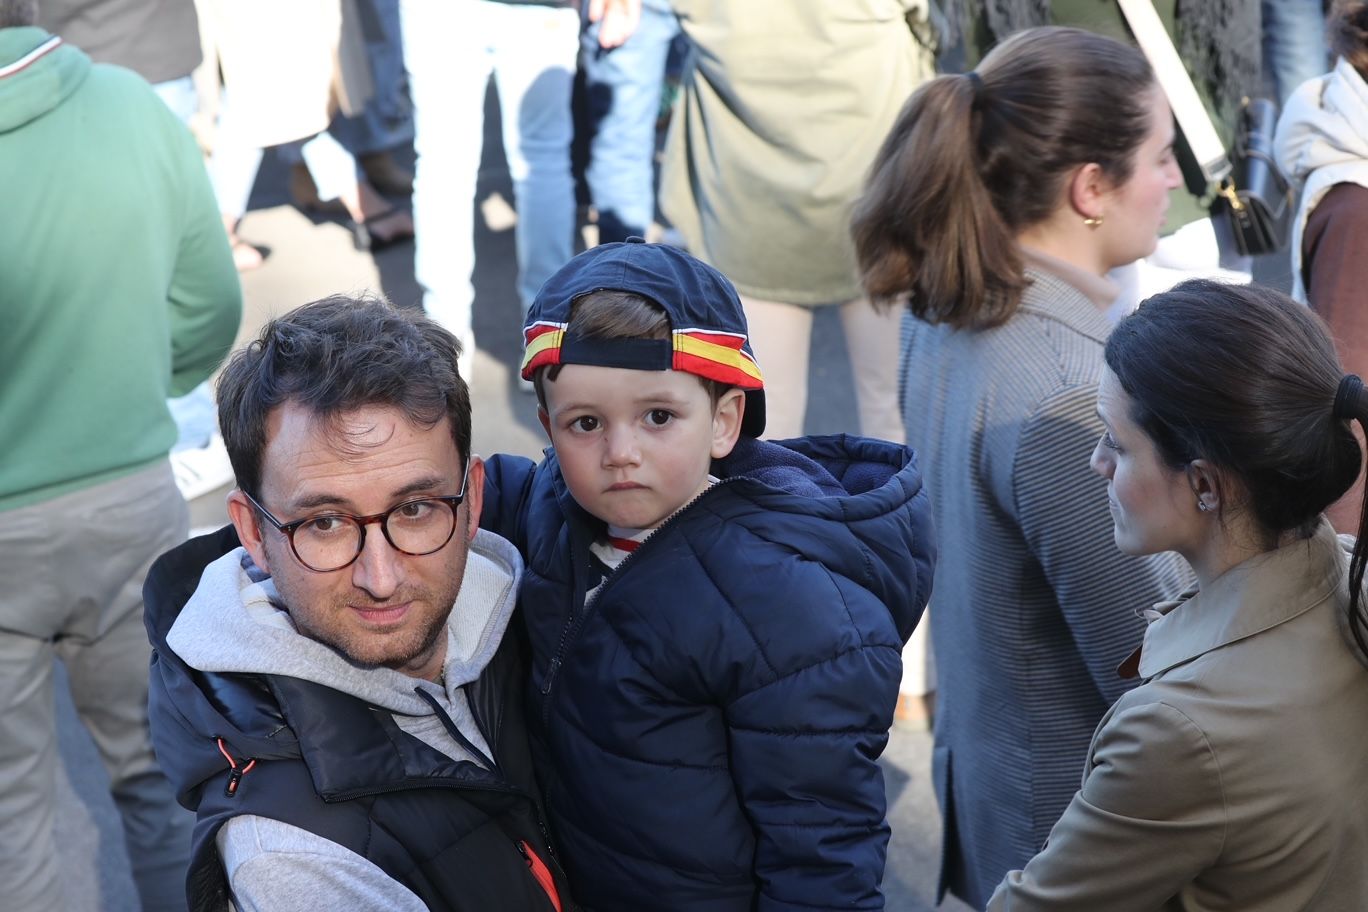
(849, 498)
(1321, 141)
(37, 73)
(209, 609)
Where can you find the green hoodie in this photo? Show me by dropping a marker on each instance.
(117, 287)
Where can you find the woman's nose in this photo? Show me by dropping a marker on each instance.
(1100, 461)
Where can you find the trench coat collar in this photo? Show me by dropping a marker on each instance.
(1249, 598)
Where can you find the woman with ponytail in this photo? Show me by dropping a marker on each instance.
(1232, 778)
(995, 208)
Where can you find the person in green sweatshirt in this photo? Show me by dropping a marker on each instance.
(117, 290)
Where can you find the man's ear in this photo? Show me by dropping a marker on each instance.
(545, 420)
(474, 495)
(248, 526)
(727, 421)
(1088, 188)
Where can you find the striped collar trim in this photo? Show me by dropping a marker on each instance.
(624, 544)
(31, 57)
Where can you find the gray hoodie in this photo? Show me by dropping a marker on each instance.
(235, 623)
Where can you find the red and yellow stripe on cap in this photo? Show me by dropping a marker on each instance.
(541, 346)
(718, 356)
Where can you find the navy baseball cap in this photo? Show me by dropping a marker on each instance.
(708, 327)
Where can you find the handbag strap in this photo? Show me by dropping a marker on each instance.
(1173, 78)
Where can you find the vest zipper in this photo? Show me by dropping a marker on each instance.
(572, 628)
(540, 872)
(455, 732)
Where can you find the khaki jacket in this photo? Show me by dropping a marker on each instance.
(1236, 777)
(779, 118)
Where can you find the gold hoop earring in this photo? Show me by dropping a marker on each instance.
(1093, 223)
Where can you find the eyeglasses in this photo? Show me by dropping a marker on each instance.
(331, 541)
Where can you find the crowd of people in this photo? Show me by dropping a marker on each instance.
(1112, 484)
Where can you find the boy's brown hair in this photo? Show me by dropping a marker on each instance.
(610, 314)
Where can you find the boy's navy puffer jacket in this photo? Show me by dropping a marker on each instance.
(708, 726)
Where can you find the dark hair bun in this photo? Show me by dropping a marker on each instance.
(1244, 377)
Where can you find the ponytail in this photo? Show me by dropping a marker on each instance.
(926, 222)
(975, 159)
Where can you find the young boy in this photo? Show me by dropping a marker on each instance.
(715, 621)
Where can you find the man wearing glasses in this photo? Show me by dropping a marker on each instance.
(333, 691)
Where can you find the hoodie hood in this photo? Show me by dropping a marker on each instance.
(1321, 141)
(37, 73)
(1325, 123)
(235, 622)
(216, 626)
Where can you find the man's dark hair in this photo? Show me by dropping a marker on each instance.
(15, 13)
(334, 356)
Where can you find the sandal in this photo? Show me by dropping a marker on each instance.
(363, 238)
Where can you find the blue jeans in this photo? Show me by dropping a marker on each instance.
(624, 86)
(452, 47)
(386, 121)
(1294, 46)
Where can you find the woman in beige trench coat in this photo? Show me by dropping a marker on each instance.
(1233, 777)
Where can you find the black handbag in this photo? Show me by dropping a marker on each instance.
(1256, 200)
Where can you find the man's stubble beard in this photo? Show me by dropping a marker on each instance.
(370, 649)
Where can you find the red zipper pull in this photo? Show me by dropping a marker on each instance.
(236, 772)
(540, 872)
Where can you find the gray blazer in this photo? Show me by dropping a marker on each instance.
(1034, 607)
(1234, 778)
